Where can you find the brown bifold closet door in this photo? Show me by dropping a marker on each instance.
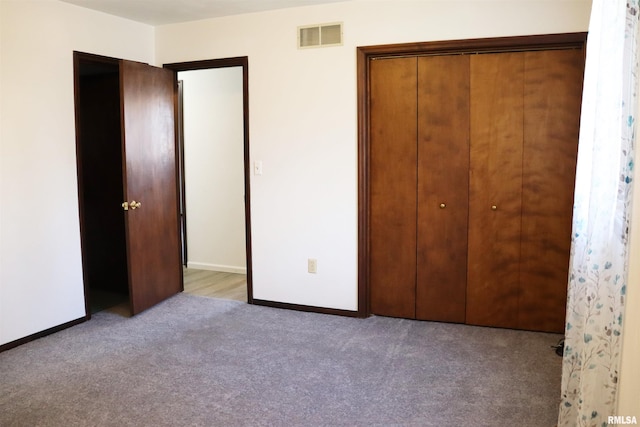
(150, 190)
(525, 113)
(552, 100)
(392, 186)
(495, 189)
(471, 179)
(443, 174)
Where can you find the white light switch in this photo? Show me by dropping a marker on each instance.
(312, 265)
(257, 167)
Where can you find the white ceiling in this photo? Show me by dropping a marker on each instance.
(160, 12)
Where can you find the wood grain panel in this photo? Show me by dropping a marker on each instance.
(393, 157)
(153, 248)
(495, 179)
(552, 98)
(443, 175)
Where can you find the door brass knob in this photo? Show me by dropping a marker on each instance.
(442, 206)
(131, 205)
(494, 208)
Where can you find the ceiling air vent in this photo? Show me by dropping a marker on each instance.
(320, 35)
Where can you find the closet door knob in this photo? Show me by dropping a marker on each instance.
(442, 206)
(494, 208)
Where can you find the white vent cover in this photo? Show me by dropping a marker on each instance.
(320, 35)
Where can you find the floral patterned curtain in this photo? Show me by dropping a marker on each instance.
(599, 254)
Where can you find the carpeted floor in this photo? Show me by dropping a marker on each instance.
(197, 361)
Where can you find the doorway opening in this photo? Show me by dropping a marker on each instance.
(127, 183)
(213, 149)
(100, 174)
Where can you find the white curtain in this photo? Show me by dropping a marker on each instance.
(601, 218)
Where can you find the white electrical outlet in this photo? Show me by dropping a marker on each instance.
(312, 265)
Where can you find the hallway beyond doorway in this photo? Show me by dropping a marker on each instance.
(215, 284)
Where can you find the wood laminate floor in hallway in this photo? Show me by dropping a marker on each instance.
(215, 284)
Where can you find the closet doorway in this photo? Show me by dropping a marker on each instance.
(127, 191)
(467, 167)
(213, 152)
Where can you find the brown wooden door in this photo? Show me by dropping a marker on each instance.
(495, 189)
(150, 178)
(524, 129)
(443, 174)
(552, 99)
(392, 209)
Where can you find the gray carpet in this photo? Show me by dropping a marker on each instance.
(196, 361)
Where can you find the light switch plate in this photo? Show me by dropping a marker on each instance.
(312, 265)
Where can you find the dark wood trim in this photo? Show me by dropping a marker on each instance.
(77, 59)
(363, 182)
(181, 187)
(306, 308)
(24, 340)
(449, 47)
(238, 61)
(247, 177)
(90, 57)
(484, 45)
(241, 61)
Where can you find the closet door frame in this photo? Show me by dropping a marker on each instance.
(365, 54)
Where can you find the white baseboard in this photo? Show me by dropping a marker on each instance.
(216, 267)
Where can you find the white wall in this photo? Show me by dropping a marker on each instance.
(40, 266)
(302, 126)
(2, 317)
(214, 168)
(303, 120)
